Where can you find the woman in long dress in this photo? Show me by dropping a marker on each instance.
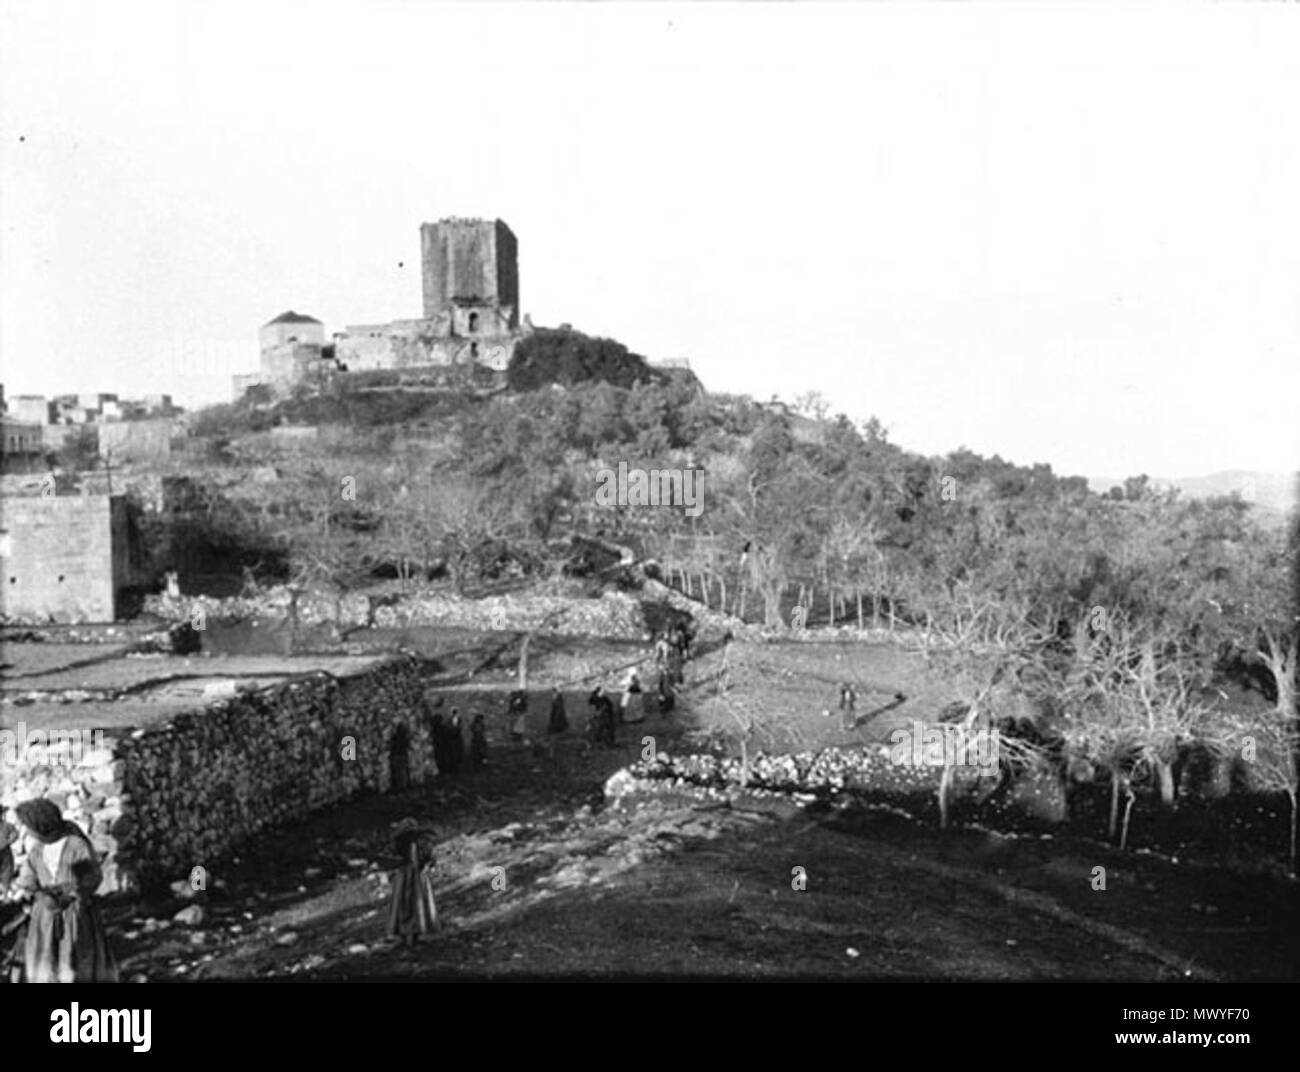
(633, 698)
(412, 911)
(65, 935)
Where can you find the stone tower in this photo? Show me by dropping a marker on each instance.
(470, 268)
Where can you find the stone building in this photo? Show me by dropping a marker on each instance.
(20, 438)
(29, 409)
(136, 441)
(67, 557)
(470, 283)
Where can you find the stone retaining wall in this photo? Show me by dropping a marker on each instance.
(160, 801)
(615, 614)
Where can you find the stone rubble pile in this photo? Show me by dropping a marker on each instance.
(87, 783)
(825, 772)
(614, 614)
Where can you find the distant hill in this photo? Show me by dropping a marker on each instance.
(1272, 491)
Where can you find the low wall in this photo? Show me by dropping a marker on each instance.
(160, 801)
(615, 614)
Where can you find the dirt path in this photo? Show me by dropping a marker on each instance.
(671, 886)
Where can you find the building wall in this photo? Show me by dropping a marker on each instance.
(60, 561)
(508, 272)
(136, 440)
(468, 261)
(397, 346)
(94, 401)
(19, 438)
(288, 363)
(30, 409)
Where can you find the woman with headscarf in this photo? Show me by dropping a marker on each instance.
(600, 727)
(633, 704)
(65, 935)
(518, 712)
(411, 909)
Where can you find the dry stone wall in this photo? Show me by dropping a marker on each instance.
(160, 801)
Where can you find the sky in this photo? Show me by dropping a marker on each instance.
(1065, 234)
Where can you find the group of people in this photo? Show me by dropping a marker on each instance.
(449, 740)
(50, 926)
(672, 649)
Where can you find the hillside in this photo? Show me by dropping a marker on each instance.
(1273, 491)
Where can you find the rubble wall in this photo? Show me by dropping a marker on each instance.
(160, 801)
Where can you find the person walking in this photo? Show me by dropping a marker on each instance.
(66, 942)
(633, 698)
(559, 719)
(478, 742)
(602, 718)
(664, 690)
(518, 712)
(848, 706)
(412, 911)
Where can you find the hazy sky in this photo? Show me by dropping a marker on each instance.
(1066, 234)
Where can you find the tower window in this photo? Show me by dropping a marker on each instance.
(473, 350)
(473, 322)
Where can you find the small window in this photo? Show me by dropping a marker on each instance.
(473, 322)
(473, 350)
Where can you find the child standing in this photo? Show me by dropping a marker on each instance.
(412, 911)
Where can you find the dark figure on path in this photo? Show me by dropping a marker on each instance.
(518, 712)
(411, 910)
(439, 734)
(477, 742)
(65, 935)
(664, 690)
(455, 742)
(601, 725)
(675, 667)
(559, 722)
(848, 706)
(684, 640)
